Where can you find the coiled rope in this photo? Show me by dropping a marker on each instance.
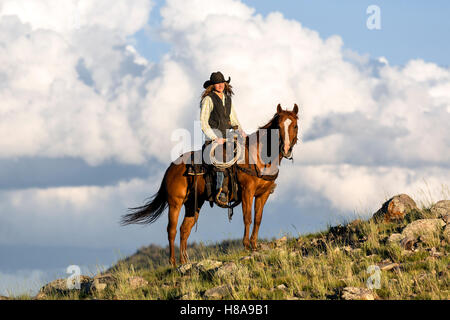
(222, 165)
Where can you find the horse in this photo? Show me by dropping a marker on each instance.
(177, 188)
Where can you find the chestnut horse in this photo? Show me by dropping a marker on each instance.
(177, 188)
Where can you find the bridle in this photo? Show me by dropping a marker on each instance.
(291, 143)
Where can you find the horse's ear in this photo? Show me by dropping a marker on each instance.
(279, 108)
(295, 110)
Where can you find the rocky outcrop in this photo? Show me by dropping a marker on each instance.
(446, 233)
(137, 282)
(354, 293)
(88, 285)
(204, 266)
(219, 292)
(226, 270)
(423, 227)
(59, 287)
(101, 282)
(441, 209)
(419, 230)
(208, 265)
(395, 208)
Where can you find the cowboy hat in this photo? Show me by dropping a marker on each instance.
(216, 77)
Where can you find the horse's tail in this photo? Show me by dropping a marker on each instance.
(151, 211)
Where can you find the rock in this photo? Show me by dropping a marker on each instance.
(208, 265)
(446, 218)
(60, 287)
(264, 246)
(446, 233)
(245, 258)
(441, 208)
(408, 243)
(217, 292)
(395, 208)
(188, 296)
(254, 254)
(40, 296)
(281, 287)
(386, 266)
(347, 249)
(137, 282)
(98, 286)
(395, 238)
(354, 293)
(101, 282)
(435, 253)
(228, 269)
(281, 242)
(185, 268)
(423, 227)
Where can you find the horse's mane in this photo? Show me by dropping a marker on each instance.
(273, 123)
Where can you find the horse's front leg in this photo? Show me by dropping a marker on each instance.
(260, 201)
(247, 201)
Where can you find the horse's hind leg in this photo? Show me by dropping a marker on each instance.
(177, 189)
(174, 211)
(190, 218)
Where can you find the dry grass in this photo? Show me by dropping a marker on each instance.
(314, 266)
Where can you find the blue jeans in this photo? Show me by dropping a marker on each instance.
(220, 177)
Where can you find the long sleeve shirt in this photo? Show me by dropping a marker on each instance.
(207, 106)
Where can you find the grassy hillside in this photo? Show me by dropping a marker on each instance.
(337, 263)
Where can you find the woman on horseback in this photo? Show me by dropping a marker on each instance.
(218, 115)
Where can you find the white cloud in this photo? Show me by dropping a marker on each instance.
(50, 110)
(66, 16)
(362, 189)
(372, 129)
(73, 215)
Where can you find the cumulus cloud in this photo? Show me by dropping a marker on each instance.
(367, 125)
(59, 79)
(77, 87)
(72, 216)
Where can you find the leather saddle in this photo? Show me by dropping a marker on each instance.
(229, 186)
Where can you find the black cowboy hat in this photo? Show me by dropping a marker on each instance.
(216, 77)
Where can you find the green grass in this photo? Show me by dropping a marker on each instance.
(312, 266)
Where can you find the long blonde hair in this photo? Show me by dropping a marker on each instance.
(228, 90)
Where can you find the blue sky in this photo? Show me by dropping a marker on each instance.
(88, 113)
(409, 29)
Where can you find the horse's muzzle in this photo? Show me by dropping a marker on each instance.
(287, 155)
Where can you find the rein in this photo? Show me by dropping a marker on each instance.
(255, 172)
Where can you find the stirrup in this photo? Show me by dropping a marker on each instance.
(219, 200)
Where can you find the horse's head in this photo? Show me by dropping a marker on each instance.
(287, 124)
